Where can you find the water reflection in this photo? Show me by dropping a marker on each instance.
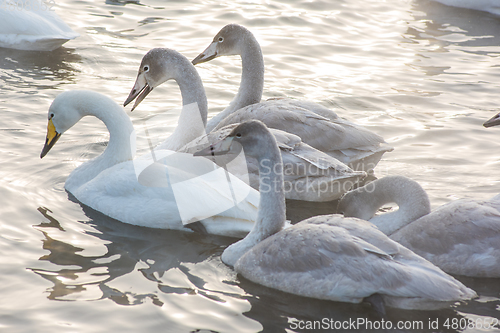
(123, 34)
(155, 252)
(123, 2)
(276, 311)
(442, 27)
(24, 69)
(142, 265)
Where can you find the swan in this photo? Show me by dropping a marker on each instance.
(327, 257)
(32, 25)
(351, 144)
(461, 237)
(493, 121)
(311, 175)
(176, 190)
(491, 6)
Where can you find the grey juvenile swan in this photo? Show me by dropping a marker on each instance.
(327, 257)
(461, 237)
(311, 175)
(318, 126)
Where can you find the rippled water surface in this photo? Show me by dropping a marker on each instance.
(423, 75)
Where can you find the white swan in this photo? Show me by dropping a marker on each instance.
(491, 6)
(310, 174)
(461, 237)
(316, 125)
(32, 25)
(175, 190)
(327, 257)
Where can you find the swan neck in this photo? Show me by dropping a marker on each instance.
(252, 76)
(411, 198)
(193, 116)
(121, 145)
(192, 91)
(272, 210)
(271, 216)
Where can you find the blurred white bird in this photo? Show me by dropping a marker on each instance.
(32, 25)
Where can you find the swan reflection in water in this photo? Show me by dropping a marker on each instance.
(130, 249)
(175, 265)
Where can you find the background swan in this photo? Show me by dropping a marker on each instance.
(327, 257)
(36, 27)
(461, 237)
(493, 121)
(109, 183)
(351, 144)
(311, 175)
(491, 6)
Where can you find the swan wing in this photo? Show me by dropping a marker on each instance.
(336, 133)
(462, 237)
(339, 138)
(310, 174)
(171, 193)
(311, 106)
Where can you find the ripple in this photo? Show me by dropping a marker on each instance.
(423, 75)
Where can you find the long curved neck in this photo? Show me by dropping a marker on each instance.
(410, 197)
(121, 145)
(193, 117)
(192, 90)
(252, 78)
(272, 209)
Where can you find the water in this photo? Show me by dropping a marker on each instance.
(423, 75)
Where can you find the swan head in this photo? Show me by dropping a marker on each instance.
(63, 114)
(253, 136)
(226, 42)
(494, 121)
(68, 108)
(157, 66)
(354, 204)
(364, 202)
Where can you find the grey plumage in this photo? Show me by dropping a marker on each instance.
(461, 237)
(329, 257)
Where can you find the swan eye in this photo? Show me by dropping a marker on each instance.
(221, 39)
(51, 116)
(238, 135)
(146, 68)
